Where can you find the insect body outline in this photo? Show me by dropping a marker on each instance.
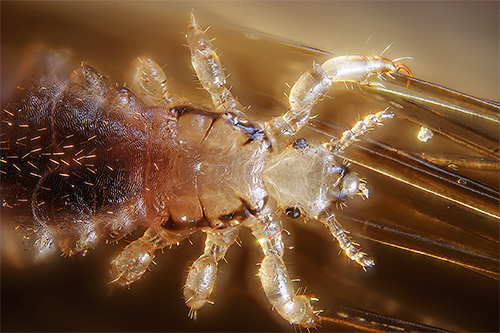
(94, 162)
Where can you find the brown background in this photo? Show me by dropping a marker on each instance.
(453, 43)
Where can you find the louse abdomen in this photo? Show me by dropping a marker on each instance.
(86, 162)
(73, 159)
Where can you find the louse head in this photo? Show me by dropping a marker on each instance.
(306, 179)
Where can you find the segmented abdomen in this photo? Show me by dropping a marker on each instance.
(85, 162)
(73, 158)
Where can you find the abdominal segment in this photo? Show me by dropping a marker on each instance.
(71, 162)
(83, 162)
(74, 159)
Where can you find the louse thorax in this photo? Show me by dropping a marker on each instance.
(308, 177)
(203, 166)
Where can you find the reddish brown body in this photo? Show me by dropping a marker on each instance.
(93, 162)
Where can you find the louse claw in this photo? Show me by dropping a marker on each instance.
(404, 68)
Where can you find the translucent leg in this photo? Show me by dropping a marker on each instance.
(275, 278)
(135, 259)
(351, 249)
(152, 81)
(203, 272)
(314, 83)
(209, 70)
(359, 129)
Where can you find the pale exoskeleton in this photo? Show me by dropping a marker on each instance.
(93, 163)
(335, 291)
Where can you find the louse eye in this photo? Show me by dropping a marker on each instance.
(292, 212)
(300, 143)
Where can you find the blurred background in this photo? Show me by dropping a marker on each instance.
(264, 45)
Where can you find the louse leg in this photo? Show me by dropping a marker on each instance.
(209, 70)
(203, 272)
(152, 81)
(359, 129)
(351, 249)
(314, 83)
(136, 257)
(275, 279)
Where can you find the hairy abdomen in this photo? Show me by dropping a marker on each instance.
(72, 161)
(84, 162)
